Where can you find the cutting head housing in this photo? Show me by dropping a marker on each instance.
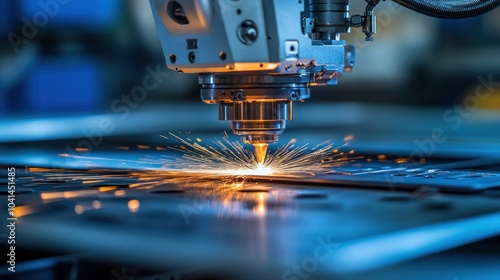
(255, 57)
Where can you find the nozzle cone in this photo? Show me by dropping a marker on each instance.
(260, 152)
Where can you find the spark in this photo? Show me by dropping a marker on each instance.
(229, 160)
(232, 159)
(223, 155)
(289, 159)
(221, 170)
(229, 198)
(263, 170)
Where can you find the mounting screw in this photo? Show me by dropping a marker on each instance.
(173, 58)
(237, 95)
(222, 55)
(288, 67)
(191, 57)
(294, 96)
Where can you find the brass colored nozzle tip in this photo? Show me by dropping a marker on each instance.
(260, 152)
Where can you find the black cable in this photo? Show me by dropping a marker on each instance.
(451, 9)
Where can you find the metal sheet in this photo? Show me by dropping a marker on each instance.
(251, 229)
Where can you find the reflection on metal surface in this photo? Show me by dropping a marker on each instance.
(67, 194)
(260, 224)
(96, 204)
(79, 209)
(229, 195)
(133, 205)
(24, 210)
(266, 222)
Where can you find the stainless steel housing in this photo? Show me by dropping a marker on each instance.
(255, 57)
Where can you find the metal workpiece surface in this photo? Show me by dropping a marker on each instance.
(261, 228)
(405, 176)
(127, 204)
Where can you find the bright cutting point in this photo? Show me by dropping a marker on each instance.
(260, 152)
(262, 170)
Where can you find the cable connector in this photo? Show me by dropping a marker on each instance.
(368, 21)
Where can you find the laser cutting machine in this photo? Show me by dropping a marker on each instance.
(101, 195)
(255, 58)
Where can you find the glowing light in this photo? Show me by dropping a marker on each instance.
(107, 188)
(23, 211)
(133, 205)
(262, 170)
(401, 160)
(349, 138)
(39, 169)
(91, 182)
(225, 192)
(260, 210)
(226, 158)
(52, 195)
(220, 168)
(96, 204)
(120, 193)
(79, 209)
(67, 194)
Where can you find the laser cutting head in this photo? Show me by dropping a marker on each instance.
(256, 57)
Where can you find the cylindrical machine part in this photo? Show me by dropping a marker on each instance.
(330, 18)
(256, 111)
(257, 104)
(257, 122)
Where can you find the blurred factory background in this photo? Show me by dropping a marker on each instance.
(79, 56)
(71, 58)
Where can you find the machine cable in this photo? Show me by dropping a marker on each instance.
(450, 9)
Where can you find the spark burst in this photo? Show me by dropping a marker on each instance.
(231, 158)
(217, 173)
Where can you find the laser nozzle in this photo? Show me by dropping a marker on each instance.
(260, 152)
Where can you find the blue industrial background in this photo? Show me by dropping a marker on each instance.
(76, 56)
